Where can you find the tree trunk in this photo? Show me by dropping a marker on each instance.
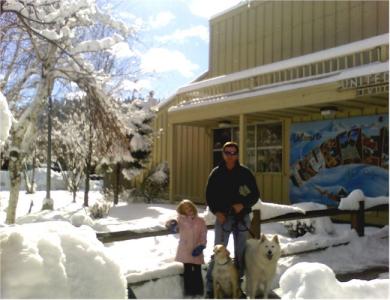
(88, 166)
(30, 182)
(34, 165)
(24, 131)
(117, 178)
(14, 168)
(48, 204)
(74, 195)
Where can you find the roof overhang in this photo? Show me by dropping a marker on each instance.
(314, 90)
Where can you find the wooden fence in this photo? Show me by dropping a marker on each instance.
(357, 222)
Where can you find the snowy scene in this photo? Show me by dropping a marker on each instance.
(169, 149)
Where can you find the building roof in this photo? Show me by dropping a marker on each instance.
(287, 85)
(330, 53)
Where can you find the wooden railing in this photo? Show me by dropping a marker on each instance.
(357, 222)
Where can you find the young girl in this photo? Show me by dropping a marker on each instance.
(193, 234)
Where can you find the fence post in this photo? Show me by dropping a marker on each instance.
(358, 219)
(255, 225)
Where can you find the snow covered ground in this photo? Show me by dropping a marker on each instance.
(153, 258)
(148, 263)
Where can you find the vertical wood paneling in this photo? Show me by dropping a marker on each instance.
(260, 20)
(277, 31)
(318, 26)
(216, 49)
(356, 27)
(270, 31)
(277, 187)
(307, 31)
(244, 40)
(236, 43)
(229, 45)
(287, 29)
(268, 11)
(342, 22)
(383, 16)
(252, 37)
(369, 16)
(330, 24)
(222, 48)
(297, 29)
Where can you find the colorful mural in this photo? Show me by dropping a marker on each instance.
(329, 159)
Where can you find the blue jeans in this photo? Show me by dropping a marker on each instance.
(222, 234)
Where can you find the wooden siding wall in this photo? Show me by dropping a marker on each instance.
(192, 162)
(192, 157)
(270, 31)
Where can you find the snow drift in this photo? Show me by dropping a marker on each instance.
(315, 280)
(351, 202)
(57, 260)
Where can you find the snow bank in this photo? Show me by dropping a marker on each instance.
(318, 242)
(271, 210)
(57, 260)
(315, 280)
(5, 119)
(64, 208)
(351, 202)
(164, 288)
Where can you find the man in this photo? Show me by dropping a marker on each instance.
(231, 192)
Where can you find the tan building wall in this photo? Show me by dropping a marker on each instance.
(243, 38)
(270, 31)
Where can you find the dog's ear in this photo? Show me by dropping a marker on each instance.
(263, 238)
(276, 239)
(215, 248)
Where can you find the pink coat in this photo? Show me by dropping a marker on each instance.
(193, 232)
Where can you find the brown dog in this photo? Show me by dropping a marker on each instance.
(225, 275)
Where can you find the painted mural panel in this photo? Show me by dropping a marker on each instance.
(329, 159)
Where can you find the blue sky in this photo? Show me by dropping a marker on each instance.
(173, 38)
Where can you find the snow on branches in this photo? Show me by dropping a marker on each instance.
(5, 119)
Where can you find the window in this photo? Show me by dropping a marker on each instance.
(221, 136)
(264, 147)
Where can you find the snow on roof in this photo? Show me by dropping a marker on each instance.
(285, 64)
(292, 62)
(289, 85)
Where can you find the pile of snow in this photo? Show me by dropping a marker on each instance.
(80, 218)
(315, 280)
(351, 202)
(321, 225)
(271, 210)
(5, 119)
(57, 260)
(63, 207)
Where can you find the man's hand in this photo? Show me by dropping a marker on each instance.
(238, 208)
(221, 218)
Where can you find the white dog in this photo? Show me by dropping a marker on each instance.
(225, 275)
(261, 259)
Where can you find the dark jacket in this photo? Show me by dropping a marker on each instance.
(227, 187)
